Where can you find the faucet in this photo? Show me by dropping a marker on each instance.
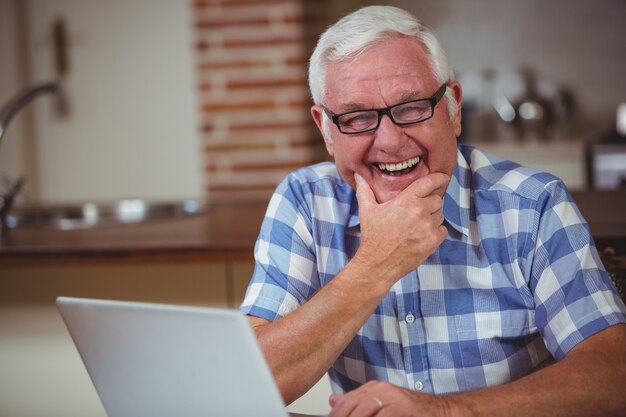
(8, 111)
(21, 100)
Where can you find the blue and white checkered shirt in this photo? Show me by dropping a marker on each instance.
(516, 284)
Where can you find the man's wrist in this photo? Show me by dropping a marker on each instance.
(371, 274)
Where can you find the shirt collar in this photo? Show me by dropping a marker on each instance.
(455, 201)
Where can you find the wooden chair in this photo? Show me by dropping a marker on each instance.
(615, 265)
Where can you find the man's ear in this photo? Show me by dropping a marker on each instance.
(457, 92)
(317, 112)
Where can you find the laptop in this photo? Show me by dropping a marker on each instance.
(153, 360)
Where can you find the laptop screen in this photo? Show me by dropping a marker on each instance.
(152, 360)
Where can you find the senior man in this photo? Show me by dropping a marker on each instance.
(413, 267)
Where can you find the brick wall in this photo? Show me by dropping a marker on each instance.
(253, 95)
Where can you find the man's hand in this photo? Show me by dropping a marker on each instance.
(400, 234)
(378, 398)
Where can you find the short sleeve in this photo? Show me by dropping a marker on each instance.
(285, 273)
(573, 294)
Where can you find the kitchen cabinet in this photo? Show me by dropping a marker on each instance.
(218, 284)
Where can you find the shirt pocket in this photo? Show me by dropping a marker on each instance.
(497, 347)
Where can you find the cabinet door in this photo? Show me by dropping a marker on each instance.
(131, 130)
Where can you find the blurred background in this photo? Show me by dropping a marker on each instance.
(171, 99)
(167, 100)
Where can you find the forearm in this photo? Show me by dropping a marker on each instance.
(588, 382)
(303, 345)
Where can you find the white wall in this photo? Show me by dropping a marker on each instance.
(132, 129)
(12, 155)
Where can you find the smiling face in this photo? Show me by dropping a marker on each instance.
(391, 157)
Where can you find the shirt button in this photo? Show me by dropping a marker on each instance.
(419, 385)
(410, 318)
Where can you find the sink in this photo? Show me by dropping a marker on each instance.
(89, 215)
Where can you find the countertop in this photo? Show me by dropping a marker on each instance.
(223, 233)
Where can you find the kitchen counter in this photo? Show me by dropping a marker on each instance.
(224, 233)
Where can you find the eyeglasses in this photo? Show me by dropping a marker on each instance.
(407, 113)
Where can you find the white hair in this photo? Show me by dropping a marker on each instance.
(356, 32)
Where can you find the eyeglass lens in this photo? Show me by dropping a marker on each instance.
(405, 113)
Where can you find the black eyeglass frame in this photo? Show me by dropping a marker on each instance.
(434, 100)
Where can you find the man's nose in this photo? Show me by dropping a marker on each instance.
(389, 136)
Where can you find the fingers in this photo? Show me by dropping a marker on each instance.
(364, 194)
(360, 406)
(334, 399)
(434, 183)
(432, 204)
(371, 399)
(341, 406)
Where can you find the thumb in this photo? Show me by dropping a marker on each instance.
(364, 194)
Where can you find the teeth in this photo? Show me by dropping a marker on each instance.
(399, 166)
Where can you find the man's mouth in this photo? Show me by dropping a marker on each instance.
(399, 168)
